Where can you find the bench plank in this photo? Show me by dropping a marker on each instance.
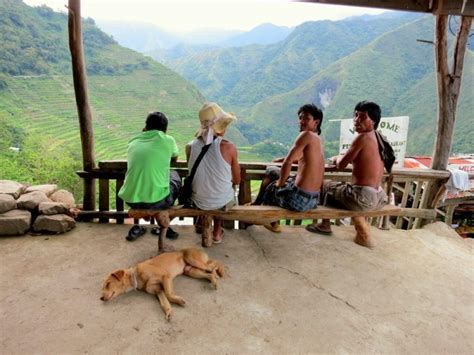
(267, 214)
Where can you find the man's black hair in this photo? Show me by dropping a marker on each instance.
(373, 111)
(315, 112)
(156, 120)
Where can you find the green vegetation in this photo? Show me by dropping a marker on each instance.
(243, 76)
(333, 64)
(37, 102)
(395, 71)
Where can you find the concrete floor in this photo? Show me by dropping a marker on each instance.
(286, 293)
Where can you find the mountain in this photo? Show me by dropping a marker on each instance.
(141, 37)
(393, 70)
(243, 76)
(266, 33)
(39, 139)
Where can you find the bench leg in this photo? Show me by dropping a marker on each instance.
(363, 236)
(163, 220)
(206, 231)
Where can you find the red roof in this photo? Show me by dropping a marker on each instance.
(424, 162)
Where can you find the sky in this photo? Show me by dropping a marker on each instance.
(188, 15)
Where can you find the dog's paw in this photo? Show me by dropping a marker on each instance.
(168, 315)
(180, 301)
(214, 282)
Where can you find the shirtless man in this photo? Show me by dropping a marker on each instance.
(364, 192)
(300, 192)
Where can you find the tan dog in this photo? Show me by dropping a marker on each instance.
(156, 276)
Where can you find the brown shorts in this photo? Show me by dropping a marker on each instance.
(352, 197)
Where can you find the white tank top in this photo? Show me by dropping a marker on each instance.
(212, 184)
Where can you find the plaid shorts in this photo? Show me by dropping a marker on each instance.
(290, 196)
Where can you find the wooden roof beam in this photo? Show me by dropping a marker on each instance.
(436, 7)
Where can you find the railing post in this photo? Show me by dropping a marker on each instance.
(104, 198)
(118, 201)
(245, 191)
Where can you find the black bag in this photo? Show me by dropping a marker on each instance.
(386, 151)
(184, 197)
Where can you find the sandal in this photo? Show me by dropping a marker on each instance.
(170, 234)
(135, 232)
(314, 228)
(218, 241)
(155, 231)
(273, 227)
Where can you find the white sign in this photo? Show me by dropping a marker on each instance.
(394, 128)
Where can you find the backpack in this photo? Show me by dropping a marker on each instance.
(386, 151)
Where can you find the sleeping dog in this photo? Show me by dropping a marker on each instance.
(156, 276)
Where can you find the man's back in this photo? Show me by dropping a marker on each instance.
(310, 172)
(212, 184)
(367, 165)
(148, 167)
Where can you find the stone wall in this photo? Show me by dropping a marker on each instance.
(39, 209)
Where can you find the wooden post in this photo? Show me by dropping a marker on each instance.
(82, 100)
(449, 83)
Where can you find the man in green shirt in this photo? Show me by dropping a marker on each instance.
(149, 182)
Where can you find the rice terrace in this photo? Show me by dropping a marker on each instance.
(334, 137)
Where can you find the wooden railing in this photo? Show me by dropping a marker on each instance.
(408, 186)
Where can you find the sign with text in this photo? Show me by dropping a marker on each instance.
(394, 128)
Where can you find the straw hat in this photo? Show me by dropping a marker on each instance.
(213, 119)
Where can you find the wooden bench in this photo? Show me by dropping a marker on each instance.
(259, 215)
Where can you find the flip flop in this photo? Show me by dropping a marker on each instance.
(135, 232)
(155, 231)
(219, 241)
(171, 234)
(273, 227)
(313, 228)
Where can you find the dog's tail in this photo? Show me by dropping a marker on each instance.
(220, 268)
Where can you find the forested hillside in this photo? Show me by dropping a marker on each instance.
(243, 76)
(40, 135)
(333, 64)
(394, 70)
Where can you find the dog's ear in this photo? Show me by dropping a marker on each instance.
(118, 274)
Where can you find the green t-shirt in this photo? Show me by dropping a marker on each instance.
(148, 167)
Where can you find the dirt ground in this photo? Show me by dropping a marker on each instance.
(287, 293)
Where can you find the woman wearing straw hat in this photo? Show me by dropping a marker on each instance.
(219, 168)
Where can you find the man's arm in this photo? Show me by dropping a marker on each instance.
(281, 159)
(351, 154)
(175, 152)
(295, 153)
(187, 150)
(229, 153)
(235, 167)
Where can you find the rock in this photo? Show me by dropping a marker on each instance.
(31, 200)
(7, 203)
(12, 188)
(48, 189)
(58, 223)
(50, 208)
(65, 197)
(15, 222)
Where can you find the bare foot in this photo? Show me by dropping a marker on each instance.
(367, 242)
